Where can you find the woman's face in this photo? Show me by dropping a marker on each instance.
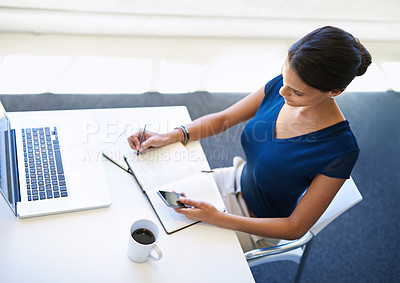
(297, 93)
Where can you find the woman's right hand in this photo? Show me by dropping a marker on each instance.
(150, 140)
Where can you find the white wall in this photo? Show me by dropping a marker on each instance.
(233, 18)
(121, 46)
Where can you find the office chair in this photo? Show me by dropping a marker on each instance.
(297, 250)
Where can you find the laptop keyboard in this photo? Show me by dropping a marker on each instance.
(44, 170)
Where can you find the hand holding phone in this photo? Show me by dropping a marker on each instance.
(171, 199)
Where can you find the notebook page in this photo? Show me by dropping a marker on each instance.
(159, 166)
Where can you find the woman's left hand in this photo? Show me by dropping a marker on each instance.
(199, 210)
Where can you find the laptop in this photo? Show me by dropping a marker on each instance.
(46, 167)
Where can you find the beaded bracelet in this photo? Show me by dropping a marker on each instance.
(185, 134)
(182, 134)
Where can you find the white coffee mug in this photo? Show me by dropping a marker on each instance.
(143, 238)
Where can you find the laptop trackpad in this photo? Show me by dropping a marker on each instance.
(84, 169)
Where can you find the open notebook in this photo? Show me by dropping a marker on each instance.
(172, 168)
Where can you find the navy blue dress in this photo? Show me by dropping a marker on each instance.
(278, 171)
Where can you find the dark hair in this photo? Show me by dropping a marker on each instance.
(328, 58)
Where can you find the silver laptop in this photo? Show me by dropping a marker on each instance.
(45, 169)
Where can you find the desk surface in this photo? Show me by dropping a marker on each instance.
(91, 246)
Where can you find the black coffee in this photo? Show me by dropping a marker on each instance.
(143, 236)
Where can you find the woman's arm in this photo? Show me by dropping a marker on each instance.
(216, 123)
(205, 126)
(309, 209)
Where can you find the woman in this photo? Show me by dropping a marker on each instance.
(299, 147)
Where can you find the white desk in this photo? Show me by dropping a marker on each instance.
(90, 246)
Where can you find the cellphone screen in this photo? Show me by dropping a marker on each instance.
(171, 198)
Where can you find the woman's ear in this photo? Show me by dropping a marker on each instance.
(335, 93)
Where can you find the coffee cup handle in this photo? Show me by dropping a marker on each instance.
(159, 253)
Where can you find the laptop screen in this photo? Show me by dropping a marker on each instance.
(5, 182)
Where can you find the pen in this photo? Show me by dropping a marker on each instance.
(141, 138)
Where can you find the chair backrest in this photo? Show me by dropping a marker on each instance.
(346, 197)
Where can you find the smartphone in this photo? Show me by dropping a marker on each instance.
(171, 199)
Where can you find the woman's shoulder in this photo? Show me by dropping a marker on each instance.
(339, 135)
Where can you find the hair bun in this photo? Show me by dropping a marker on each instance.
(366, 59)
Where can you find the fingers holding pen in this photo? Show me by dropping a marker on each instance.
(134, 142)
(150, 139)
(144, 139)
(146, 143)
